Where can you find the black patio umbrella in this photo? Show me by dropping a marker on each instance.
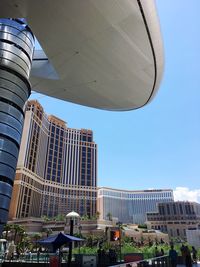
(56, 241)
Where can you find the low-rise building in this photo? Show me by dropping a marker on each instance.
(175, 218)
(145, 236)
(107, 229)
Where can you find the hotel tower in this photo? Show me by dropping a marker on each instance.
(130, 206)
(56, 170)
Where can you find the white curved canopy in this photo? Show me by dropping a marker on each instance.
(105, 54)
(72, 214)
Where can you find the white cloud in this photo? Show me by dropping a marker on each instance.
(184, 193)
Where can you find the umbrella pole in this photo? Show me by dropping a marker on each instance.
(70, 243)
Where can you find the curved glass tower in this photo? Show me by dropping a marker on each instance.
(16, 52)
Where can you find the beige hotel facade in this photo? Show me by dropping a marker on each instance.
(175, 218)
(56, 170)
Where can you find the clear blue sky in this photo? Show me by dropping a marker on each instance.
(157, 146)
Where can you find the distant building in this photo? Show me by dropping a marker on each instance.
(56, 170)
(193, 237)
(175, 218)
(130, 206)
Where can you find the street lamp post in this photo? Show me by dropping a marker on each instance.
(120, 240)
(71, 216)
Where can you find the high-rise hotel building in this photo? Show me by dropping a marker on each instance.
(56, 170)
(130, 206)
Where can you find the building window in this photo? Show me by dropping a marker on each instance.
(174, 208)
(181, 209)
(178, 232)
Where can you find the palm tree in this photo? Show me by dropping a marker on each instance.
(90, 240)
(18, 229)
(48, 231)
(7, 228)
(84, 217)
(25, 243)
(22, 234)
(36, 237)
(60, 217)
(98, 215)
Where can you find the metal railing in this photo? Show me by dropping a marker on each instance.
(162, 261)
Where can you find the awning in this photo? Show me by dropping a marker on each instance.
(56, 241)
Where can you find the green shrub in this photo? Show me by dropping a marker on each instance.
(143, 226)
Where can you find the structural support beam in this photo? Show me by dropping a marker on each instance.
(16, 52)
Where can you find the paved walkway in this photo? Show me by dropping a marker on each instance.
(193, 265)
(134, 264)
